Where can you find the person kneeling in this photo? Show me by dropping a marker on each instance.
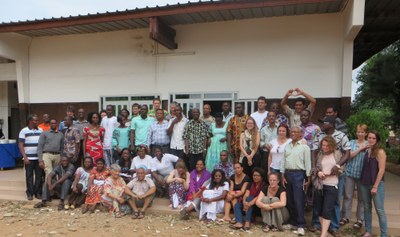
(59, 180)
(141, 189)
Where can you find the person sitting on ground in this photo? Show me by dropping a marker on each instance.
(249, 200)
(161, 166)
(125, 163)
(178, 181)
(224, 164)
(272, 202)
(213, 197)
(141, 190)
(142, 160)
(199, 178)
(237, 188)
(96, 186)
(59, 180)
(114, 188)
(80, 184)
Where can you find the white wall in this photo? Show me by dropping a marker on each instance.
(8, 72)
(255, 57)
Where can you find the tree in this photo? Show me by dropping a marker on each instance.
(380, 83)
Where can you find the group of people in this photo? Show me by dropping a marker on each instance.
(269, 163)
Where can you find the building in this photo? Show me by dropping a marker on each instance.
(191, 53)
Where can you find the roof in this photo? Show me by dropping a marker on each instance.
(381, 29)
(177, 14)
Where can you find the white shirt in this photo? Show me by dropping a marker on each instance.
(165, 166)
(277, 154)
(177, 141)
(144, 163)
(259, 118)
(109, 124)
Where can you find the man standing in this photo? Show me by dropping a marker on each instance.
(59, 180)
(268, 133)
(340, 125)
(140, 127)
(27, 143)
(49, 148)
(156, 106)
(342, 145)
(299, 105)
(71, 144)
(195, 136)
(158, 135)
(172, 108)
(280, 118)
(135, 111)
(226, 112)
(207, 117)
(109, 123)
(261, 112)
(45, 126)
(80, 124)
(176, 127)
(309, 130)
(295, 166)
(69, 112)
(236, 126)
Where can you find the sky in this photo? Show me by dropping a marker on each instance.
(21, 10)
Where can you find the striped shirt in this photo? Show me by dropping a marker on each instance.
(30, 138)
(157, 134)
(354, 166)
(342, 141)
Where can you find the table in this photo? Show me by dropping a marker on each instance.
(8, 154)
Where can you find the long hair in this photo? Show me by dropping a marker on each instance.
(253, 132)
(375, 148)
(213, 183)
(181, 165)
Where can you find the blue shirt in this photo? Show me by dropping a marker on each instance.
(354, 166)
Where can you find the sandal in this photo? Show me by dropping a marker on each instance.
(266, 228)
(141, 215)
(135, 215)
(344, 221)
(60, 206)
(358, 224)
(84, 209)
(233, 221)
(117, 214)
(235, 227)
(274, 229)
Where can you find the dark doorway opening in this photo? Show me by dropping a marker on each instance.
(216, 105)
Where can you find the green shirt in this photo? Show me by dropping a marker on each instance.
(296, 157)
(152, 113)
(141, 127)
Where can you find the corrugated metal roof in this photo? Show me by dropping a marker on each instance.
(179, 14)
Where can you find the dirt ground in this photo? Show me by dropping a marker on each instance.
(20, 219)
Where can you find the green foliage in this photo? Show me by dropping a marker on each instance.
(375, 119)
(380, 83)
(393, 154)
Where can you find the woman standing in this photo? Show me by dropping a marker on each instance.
(237, 188)
(212, 200)
(249, 200)
(249, 142)
(272, 202)
(352, 180)
(326, 183)
(178, 181)
(80, 184)
(93, 137)
(120, 137)
(114, 187)
(217, 142)
(96, 186)
(278, 148)
(372, 183)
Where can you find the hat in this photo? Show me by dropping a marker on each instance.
(328, 119)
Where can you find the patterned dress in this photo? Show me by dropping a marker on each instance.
(216, 146)
(93, 195)
(115, 187)
(236, 126)
(177, 190)
(94, 146)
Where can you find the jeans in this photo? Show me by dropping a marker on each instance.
(335, 221)
(33, 183)
(239, 208)
(378, 200)
(295, 197)
(350, 184)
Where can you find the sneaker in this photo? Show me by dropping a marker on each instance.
(299, 231)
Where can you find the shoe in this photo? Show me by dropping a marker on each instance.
(300, 231)
(39, 205)
(312, 228)
(289, 227)
(184, 214)
(358, 224)
(334, 233)
(66, 207)
(30, 198)
(38, 196)
(72, 206)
